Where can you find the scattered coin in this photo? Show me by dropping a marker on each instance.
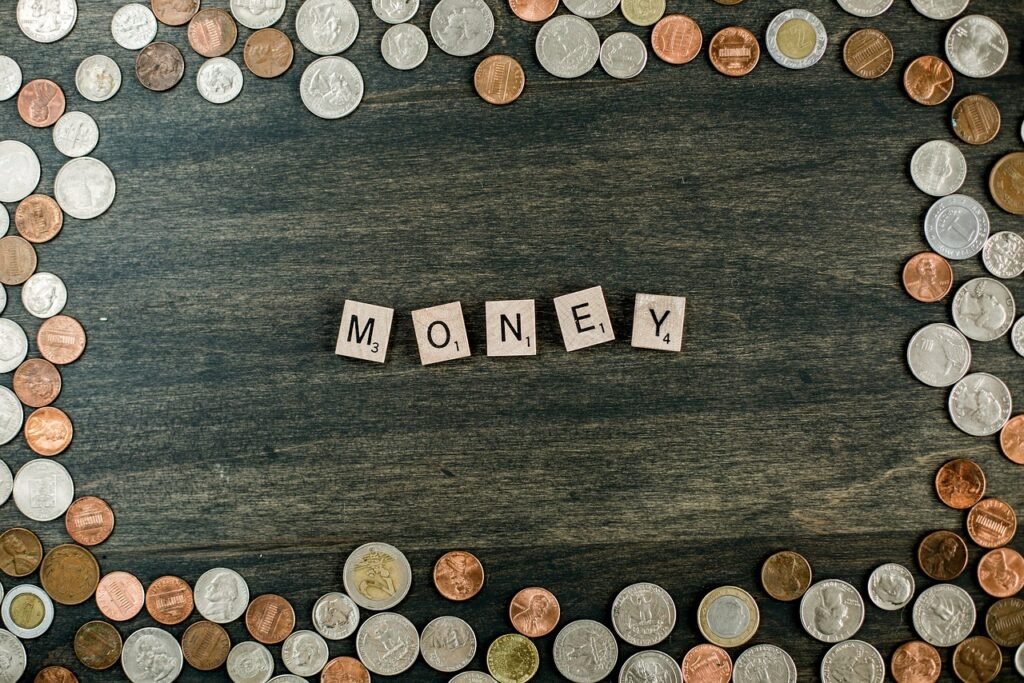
(533, 10)
(977, 659)
(151, 654)
(38, 218)
(89, 521)
(221, 595)
(976, 120)
(404, 46)
(345, 670)
(11, 414)
(44, 295)
(868, 53)
(395, 11)
(512, 658)
(534, 612)
(728, 616)
(852, 659)
(19, 171)
(327, 27)
(205, 645)
(865, 8)
(734, 51)
(643, 614)
(17, 263)
(250, 662)
(960, 483)
(1003, 254)
(1006, 183)
(796, 39)
(10, 78)
(13, 653)
(458, 575)
(1001, 572)
(976, 46)
(448, 644)
(120, 596)
(707, 664)
(928, 80)
(98, 645)
(942, 555)
(61, 339)
(786, 575)
(983, 309)
(764, 663)
(98, 78)
(55, 674)
(591, 9)
(980, 404)
(461, 27)
(69, 573)
(1019, 660)
(13, 342)
(48, 431)
(499, 79)
(676, 39)
(257, 14)
(470, 677)
(991, 523)
(20, 552)
(5, 225)
(831, 611)
(623, 55)
(585, 651)
(956, 227)
(938, 168)
(891, 587)
(1011, 439)
(927, 277)
(36, 478)
(331, 87)
(650, 664)
(212, 33)
(1004, 622)
(268, 53)
(335, 616)
(304, 653)
(642, 12)
(40, 103)
(159, 66)
(84, 188)
(219, 80)
(567, 46)
(916, 662)
(944, 615)
(169, 600)
(377, 576)
(269, 618)
(387, 643)
(133, 26)
(46, 22)
(6, 484)
(175, 12)
(940, 9)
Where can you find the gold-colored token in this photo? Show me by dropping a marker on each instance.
(728, 616)
(20, 552)
(512, 658)
(796, 39)
(27, 611)
(786, 575)
(69, 574)
(643, 12)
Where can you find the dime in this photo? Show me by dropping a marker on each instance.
(159, 66)
(84, 188)
(868, 53)
(55, 674)
(938, 355)
(458, 575)
(865, 8)
(786, 575)
(734, 51)
(120, 596)
(585, 651)
(976, 46)
(1011, 439)
(69, 573)
(916, 662)
(1001, 572)
(764, 663)
(1005, 622)
(269, 618)
(17, 263)
(534, 612)
(44, 295)
(707, 664)
(75, 134)
(133, 26)
(89, 521)
(346, 670)
(469, 677)
(938, 168)
(623, 55)
(11, 414)
(928, 80)
(676, 39)
(304, 653)
(461, 27)
(448, 644)
(13, 343)
(10, 78)
(796, 39)
(175, 12)
(533, 10)
(642, 12)
(991, 523)
(20, 552)
(1003, 254)
(728, 616)
(221, 595)
(169, 600)
(327, 27)
(335, 616)
(977, 659)
(852, 660)
(567, 46)
(377, 576)
(395, 11)
(48, 431)
(205, 645)
(976, 120)
(942, 555)
(43, 490)
(40, 103)
(511, 658)
(1006, 183)
(980, 404)
(61, 339)
(387, 643)
(97, 645)
(643, 614)
(219, 80)
(944, 615)
(331, 88)
(212, 33)
(46, 22)
(27, 611)
(12, 653)
(257, 14)
(591, 9)
(19, 171)
(831, 611)
(927, 277)
(891, 587)
(98, 78)
(983, 309)
(250, 662)
(404, 46)
(268, 53)
(956, 227)
(650, 665)
(940, 9)
(6, 486)
(960, 483)
(151, 655)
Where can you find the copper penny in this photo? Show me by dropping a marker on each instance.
(977, 660)
(48, 431)
(942, 555)
(1011, 439)
(976, 120)
(175, 12)
(991, 523)
(676, 39)
(868, 53)
(55, 674)
(159, 66)
(927, 277)
(1001, 572)
(37, 382)
(534, 612)
(728, 2)
(269, 618)
(205, 645)
(69, 574)
(89, 520)
(1006, 183)
(916, 662)
(344, 670)
(786, 575)
(499, 79)
(41, 103)
(1004, 622)
(38, 218)
(61, 339)
(119, 596)
(734, 51)
(928, 80)
(707, 664)
(20, 552)
(98, 645)
(458, 575)
(960, 483)
(169, 600)
(268, 53)
(533, 10)
(212, 33)
(17, 260)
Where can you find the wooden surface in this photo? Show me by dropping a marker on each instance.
(211, 411)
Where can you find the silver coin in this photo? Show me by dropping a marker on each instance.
(1017, 336)
(19, 171)
(591, 9)
(623, 55)
(43, 490)
(1003, 254)
(10, 78)
(891, 586)
(151, 655)
(304, 653)
(980, 404)
(221, 595)
(5, 225)
(650, 665)
(472, 677)
(47, 22)
(831, 611)
(585, 651)
(335, 616)
(944, 615)
(448, 644)
(956, 227)
(938, 168)
(219, 80)
(75, 134)
(47, 617)
(133, 26)
(3, 291)
(865, 8)
(288, 678)
(327, 27)
(6, 487)
(643, 614)
(940, 9)
(98, 78)
(387, 644)
(977, 46)
(1019, 660)
(250, 662)
(84, 188)
(764, 664)
(567, 46)
(331, 87)
(983, 309)
(813, 53)
(461, 27)
(12, 415)
(257, 14)
(13, 345)
(44, 295)
(395, 11)
(852, 661)
(12, 658)
(404, 46)
(377, 576)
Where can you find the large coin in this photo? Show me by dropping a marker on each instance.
(938, 168)
(46, 22)
(448, 644)
(331, 87)
(976, 46)
(980, 404)
(43, 490)
(327, 27)
(585, 651)
(591, 9)
(939, 355)
(891, 586)
(956, 227)
(1003, 254)
(404, 46)
(650, 665)
(983, 309)
(462, 27)
(764, 663)
(940, 9)
(568, 46)
(84, 188)
(623, 55)
(151, 655)
(221, 595)
(395, 11)
(69, 574)
(831, 611)
(387, 643)
(219, 80)
(12, 656)
(11, 415)
(98, 78)
(944, 615)
(512, 658)
(13, 345)
(852, 660)
(643, 614)
(44, 295)
(19, 171)
(728, 616)
(10, 78)
(250, 662)
(796, 39)
(1006, 183)
(377, 576)
(257, 14)
(335, 616)
(865, 8)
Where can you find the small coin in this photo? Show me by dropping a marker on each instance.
(707, 664)
(1003, 254)
(10, 78)
(269, 618)
(534, 612)
(345, 670)
(533, 10)
(643, 12)
(567, 46)
(585, 651)
(48, 431)
(1004, 622)
(991, 523)
(175, 12)
(940, 9)
(377, 576)
(387, 644)
(75, 134)
(938, 168)
(868, 53)
(98, 78)
(13, 348)
(956, 227)
(942, 555)
(461, 27)
(120, 596)
(44, 295)
(643, 614)
(268, 53)
(219, 80)
(17, 263)
(43, 490)
(97, 645)
(676, 39)
(796, 39)
(734, 51)
(84, 188)
(786, 575)
(61, 339)
(395, 11)
(335, 616)
(1006, 183)
(89, 521)
(205, 645)
(831, 611)
(927, 277)
(331, 87)
(55, 674)
(728, 616)
(865, 8)
(221, 595)
(590, 9)
(159, 66)
(40, 103)
(650, 665)
(977, 46)
(1011, 439)
(169, 600)
(11, 414)
(976, 120)
(928, 80)
(852, 660)
(404, 46)
(6, 483)
(304, 653)
(250, 662)
(458, 575)
(891, 587)
(20, 552)
(960, 483)
(623, 55)
(448, 644)
(944, 615)
(257, 14)
(980, 404)
(977, 660)
(983, 309)
(916, 662)
(499, 79)
(327, 27)
(212, 33)
(1001, 572)
(46, 22)
(150, 655)
(133, 26)
(19, 171)
(764, 663)
(70, 574)
(512, 658)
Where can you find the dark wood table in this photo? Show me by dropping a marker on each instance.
(212, 413)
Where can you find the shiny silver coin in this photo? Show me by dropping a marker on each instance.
(567, 46)
(891, 586)
(288, 678)
(852, 661)
(461, 27)
(980, 404)
(643, 614)
(19, 171)
(75, 134)
(12, 658)
(221, 595)
(395, 11)
(808, 51)
(219, 80)
(43, 490)
(404, 46)
(448, 644)
(1019, 660)
(472, 677)
(98, 78)
(257, 14)
(377, 576)
(46, 22)
(983, 309)
(335, 616)
(151, 655)
(304, 653)
(10, 78)
(939, 355)
(762, 663)
(387, 644)
(585, 651)
(38, 614)
(976, 46)
(5, 225)
(1003, 254)
(591, 9)
(13, 345)
(327, 27)
(12, 415)
(250, 662)
(84, 188)
(865, 8)
(831, 611)
(650, 665)
(44, 295)
(956, 227)
(1017, 337)
(940, 9)
(133, 26)
(3, 292)
(944, 615)
(6, 487)
(938, 168)
(331, 87)
(623, 55)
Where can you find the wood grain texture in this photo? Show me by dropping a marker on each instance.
(211, 411)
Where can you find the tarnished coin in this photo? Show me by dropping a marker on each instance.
(707, 664)
(650, 665)
(387, 643)
(43, 490)
(852, 660)
(6, 485)
(585, 651)
(1006, 183)
(335, 616)
(938, 168)
(133, 26)
(928, 80)
(40, 103)
(377, 576)
(159, 66)
(734, 51)
(643, 12)
(868, 53)
(977, 660)
(151, 655)
(891, 586)
(976, 120)
(927, 277)
(831, 611)
(11, 415)
(916, 662)
(786, 575)
(939, 355)
(221, 595)
(327, 27)
(956, 227)
(944, 615)
(250, 662)
(12, 654)
(461, 27)
(331, 88)
(89, 521)
(448, 644)
(395, 11)
(533, 10)
(512, 658)
(764, 663)
(643, 614)
(205, 645)
(468, 677)
(84, 188)
(942, 555)
(169, 600)
(991, 523)
(1003, 254)
(796, 39)
(46, 22)
(1004, 622)
(591, 9)
(48, 431)
(75, 134)
(20, 552)
(13, 345)
(17, 263)
(175, 12)
(458, 575)
(19, 171)
(98, 78)
(1001, 573)
(1011, 439)
(534, 612)
(44, 295)
(61, 339)
(865, 8)
(404, 46)
(10, 78)
(980, 404)
(983, 309)
(346, 670)
(940, 9)
(676, 39)
(269, 618)
(623, 55)
(567, 46)
(977, 46)
(69, 574)
(257, 14)
(960, 483)
(304, 653)
(268, 53)
(97, 645)
(728, 616)
(219, 80)
(212, 33)
(55, 674)
(120, 596)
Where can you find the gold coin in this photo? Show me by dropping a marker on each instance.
(512, 658)
(27, 611)
(728, 616)
(69, 574)
(786, 575)
(643, 12)
(796, 39)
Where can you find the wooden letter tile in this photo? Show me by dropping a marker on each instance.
(583, 317)
(365, 331)
(658, 322)
(511, 328)
(441, 333)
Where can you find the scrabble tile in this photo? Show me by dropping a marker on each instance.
(441, 333)
(365, 331)
(583, 317)
(511, 328)
(658, 322)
